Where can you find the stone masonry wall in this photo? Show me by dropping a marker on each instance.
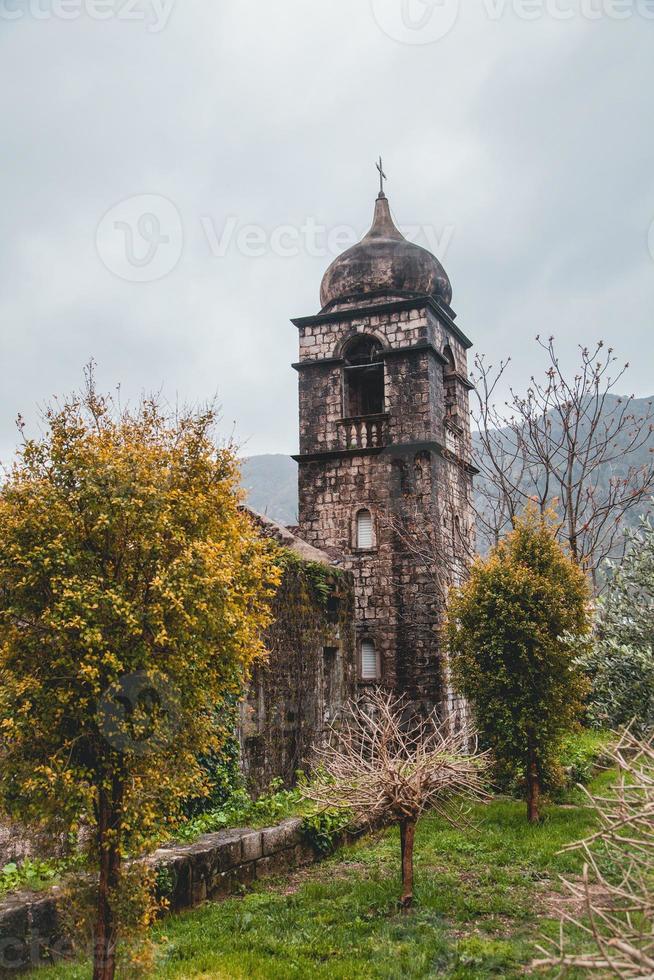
(309, 675)
(216, 866)
(412, 474)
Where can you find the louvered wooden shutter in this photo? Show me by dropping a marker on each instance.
(364, 529)
(369, 668)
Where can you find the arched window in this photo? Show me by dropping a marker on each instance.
(364, 377)
(365, 532)
(400, 483)
(369, 662)
(449, 382)
(456, 534)
(421, 464)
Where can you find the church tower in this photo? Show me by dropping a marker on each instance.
(384, 465)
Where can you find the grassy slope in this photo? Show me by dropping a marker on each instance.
(482, 893)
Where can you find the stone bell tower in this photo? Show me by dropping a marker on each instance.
(384, 464)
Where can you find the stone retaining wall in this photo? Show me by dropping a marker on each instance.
(214, 867)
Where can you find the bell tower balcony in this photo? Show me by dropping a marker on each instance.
(363, 432)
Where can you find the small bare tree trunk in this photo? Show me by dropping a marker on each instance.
(533, 788)
(106, 926)
(407, 837)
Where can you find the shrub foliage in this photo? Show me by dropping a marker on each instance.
(133, 595)
(621, 666)
(511, 631)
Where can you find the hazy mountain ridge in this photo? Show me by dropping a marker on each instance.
(271, 484)
(271, 480)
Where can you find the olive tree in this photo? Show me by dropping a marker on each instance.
(621, 664)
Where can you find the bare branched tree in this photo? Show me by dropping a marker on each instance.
(387, 762)
(569, 444)
(617, 890)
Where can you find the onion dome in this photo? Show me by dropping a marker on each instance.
(384, 262)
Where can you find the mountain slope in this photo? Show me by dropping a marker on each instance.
(271, 481)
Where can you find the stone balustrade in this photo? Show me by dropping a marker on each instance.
(365, 432)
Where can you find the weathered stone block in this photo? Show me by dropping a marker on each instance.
(45, 924)
(244, 876)
(251, 847)
(286, 834)
(199, 890)
(14, 928)
(276, 864)
(182, 896)
(304, 854)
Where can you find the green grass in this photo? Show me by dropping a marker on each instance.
(481, 896)
(582, 753)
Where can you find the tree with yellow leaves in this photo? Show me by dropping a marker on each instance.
(134, 592)
(514, 631)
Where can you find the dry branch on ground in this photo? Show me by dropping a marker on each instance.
(617, 887)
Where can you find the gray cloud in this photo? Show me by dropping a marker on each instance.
(530, 140)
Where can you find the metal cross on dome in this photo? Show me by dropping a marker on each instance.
(382, 175)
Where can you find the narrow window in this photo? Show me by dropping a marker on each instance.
(452, 441)
(456, 534)
(369, 662)
(329, 683)
(449, 378)
(364, 378)
(364, 530)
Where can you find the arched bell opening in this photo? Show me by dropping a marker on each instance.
(363, 377)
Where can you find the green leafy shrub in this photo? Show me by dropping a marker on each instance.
(621, 666)
(622, 687)
(221, 769)
(31, 874)
(512, 630)
(240, 809)
(320, 579)
(323, 829)
(581, 754)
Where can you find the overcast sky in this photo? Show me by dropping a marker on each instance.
(517, 139)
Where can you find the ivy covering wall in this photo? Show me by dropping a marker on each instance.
(309, 675)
